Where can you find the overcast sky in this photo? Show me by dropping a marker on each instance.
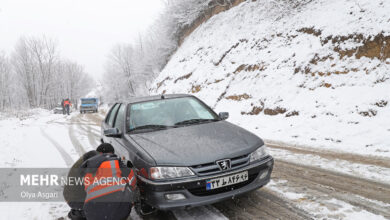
(85, 30)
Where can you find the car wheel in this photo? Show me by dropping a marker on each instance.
(144, 209)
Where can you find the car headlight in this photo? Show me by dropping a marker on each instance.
(258, 154)
(158, 173)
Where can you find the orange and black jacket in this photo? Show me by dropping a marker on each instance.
(105, 174)
(67, 102)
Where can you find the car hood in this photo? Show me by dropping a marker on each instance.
(197, 144)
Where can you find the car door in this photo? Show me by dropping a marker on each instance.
(109, 122)
(118, 143)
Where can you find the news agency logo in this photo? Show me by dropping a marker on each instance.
(224, 164)
(47, 184)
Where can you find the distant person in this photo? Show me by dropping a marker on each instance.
(111, 186)
(74, 194)
(63, 106)
(67, 105)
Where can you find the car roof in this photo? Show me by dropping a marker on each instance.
(156, 97)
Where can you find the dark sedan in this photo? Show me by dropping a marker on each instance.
(184, 154)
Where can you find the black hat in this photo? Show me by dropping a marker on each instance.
(90, 154)
(105, 148)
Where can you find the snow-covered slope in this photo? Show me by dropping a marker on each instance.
(313, 73)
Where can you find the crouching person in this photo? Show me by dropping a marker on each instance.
(74, 194)
(109, 185)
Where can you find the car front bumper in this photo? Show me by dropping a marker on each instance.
(194, 189)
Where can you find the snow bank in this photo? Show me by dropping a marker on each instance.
(312, 73)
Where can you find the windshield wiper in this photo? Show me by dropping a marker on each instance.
(195, 121)
(154, 127)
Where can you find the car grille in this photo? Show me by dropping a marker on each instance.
(213, 168)
(201, 191)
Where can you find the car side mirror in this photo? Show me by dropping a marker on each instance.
(112, 132)
(223, 115)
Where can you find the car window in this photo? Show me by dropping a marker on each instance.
(109, 114)
(168, 112)
(199, 109)
(112, 115)
(119, 121)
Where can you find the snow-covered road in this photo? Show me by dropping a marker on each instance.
(306, 183)
(40, 140)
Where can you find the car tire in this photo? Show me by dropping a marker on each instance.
(144, 209)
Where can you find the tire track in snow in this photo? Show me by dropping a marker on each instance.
(76, 144)
(354, 158)
(93, 118)
(67, 158)
(88, 127)
(260, 204)
(342, 182)
(92, 136)
(350, 189)
(203, 212)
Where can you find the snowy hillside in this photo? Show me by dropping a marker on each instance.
(311, 73)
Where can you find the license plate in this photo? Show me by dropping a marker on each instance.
(226, 180)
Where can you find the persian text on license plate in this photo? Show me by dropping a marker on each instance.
(226, 180)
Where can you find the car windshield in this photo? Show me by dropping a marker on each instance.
(165, 113)
(88, 101)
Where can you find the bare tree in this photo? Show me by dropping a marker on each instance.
(120, 61)
(76, 82)
(125, 74)
(131, 68)
(5, 82)
(45, 58)
(38, 77)
(22, 60)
